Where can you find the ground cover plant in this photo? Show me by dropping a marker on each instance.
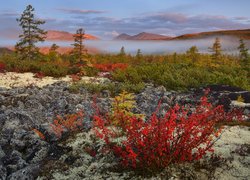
(181, 135)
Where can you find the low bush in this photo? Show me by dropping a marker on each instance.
(183, 76)
(182, 135)
(110, 67)
(2, 67)
(90, 71)
(123, 104)
(61, 124)
(39, 75)
(54, 70)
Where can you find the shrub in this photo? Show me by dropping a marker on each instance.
(110, 67)
(183, 76)
(2, 67)
(90, 71)
(75, 77)
(74, 70)
(39, 75)
(39, 133)
(54, 70)
(72, 122)
(180, 136)
(123, 104)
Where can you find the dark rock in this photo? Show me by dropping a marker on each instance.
(70, 160)
(3, 172)
(223, 88)
(55, 151)
(2, 154)
(14, 162)
(27, 173)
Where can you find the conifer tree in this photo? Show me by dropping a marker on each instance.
(216, 49)
(193, 53)
(79, 52)
(244, 56)
(32, 34)
(53, 54)
(138, 54)
(122, 51)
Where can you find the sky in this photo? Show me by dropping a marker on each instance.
(109, 18)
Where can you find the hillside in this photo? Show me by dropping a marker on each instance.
(4, 50)
(244, 34)
(123, 36)
(53, 35)
(142, 36)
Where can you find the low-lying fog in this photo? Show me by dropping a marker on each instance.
(163, 47)
(229, 45)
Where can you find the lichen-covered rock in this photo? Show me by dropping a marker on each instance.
(27, 173)
(22, 109)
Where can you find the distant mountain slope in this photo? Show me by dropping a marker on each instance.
(65, 36)
(123, 36)
(150, 36)
(244, 34)
(142, 36)
(4, 50)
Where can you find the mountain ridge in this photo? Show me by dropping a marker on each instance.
(142, 36)
(238, 33)
(54, 35)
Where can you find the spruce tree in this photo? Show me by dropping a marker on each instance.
(79, 51)
(244, 56)
(216, 49)
(32, 34)
(138, 54)
(53, 54)
(193, 53)
(122, 51)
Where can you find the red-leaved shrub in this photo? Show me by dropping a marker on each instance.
(72, 122)
(110, 67)
(39, 75)
(180, 136)
(2, 67)
(75, 77)
(39, 133)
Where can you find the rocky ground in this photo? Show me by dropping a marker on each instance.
(24, 155)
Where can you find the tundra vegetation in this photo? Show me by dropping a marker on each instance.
(182, 134)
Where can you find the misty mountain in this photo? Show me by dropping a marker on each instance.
(244, 34)
(53, 35)
(142, 36)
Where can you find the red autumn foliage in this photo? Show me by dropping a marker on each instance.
(39, 133)
(75, 77)
(2, 67)
(110, 67)
(71, 122)
(39, 75)
(175, 138)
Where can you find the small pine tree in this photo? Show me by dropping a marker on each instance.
(53, 54)
(193, 53)
(53, 48)
(79, 52)
(138, 54)
(216, 49)
(244, 56)
(32, 34)
(122, 52)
